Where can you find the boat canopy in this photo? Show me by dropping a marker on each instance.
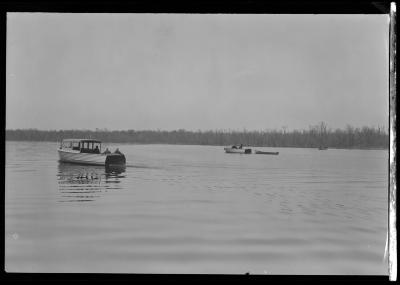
(83, 145)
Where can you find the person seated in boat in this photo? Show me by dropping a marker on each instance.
(234, 147)
(107, 151)
(117, 151)
(96, 149)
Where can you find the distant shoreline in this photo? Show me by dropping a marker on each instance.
(365, 138)
(133, 143)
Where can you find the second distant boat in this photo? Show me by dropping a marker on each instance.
(237, 149)
(266, 152)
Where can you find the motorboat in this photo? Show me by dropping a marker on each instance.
(266, 152)
(237, 149)
(88, 151)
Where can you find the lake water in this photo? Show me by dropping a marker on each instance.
(195, 209)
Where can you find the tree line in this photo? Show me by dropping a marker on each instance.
(313, 137)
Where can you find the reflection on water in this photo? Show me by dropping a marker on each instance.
(85, 183)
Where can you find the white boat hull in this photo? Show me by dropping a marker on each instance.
(82, 158)
(236, 150)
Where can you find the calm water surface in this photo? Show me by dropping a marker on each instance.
(195, 209)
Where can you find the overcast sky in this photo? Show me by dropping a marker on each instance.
(172, 71)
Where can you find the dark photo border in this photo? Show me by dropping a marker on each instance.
(197, 6)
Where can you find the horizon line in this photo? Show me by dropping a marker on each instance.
(283, 128)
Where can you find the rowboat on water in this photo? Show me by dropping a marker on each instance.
(266, 152)
(237, 149)
(88, 151)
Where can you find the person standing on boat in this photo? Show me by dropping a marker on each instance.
(241, 146)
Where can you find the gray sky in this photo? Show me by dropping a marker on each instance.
(171, 71)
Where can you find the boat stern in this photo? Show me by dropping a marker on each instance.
(115, 159)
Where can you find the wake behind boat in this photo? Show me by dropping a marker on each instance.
(88, 151)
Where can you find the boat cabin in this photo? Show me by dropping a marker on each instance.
(82, 145)
(237, 146)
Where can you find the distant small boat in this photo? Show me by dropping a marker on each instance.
(323, 148)
(237, 149)
(266, 152)
(88, 151)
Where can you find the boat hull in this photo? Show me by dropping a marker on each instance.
(237, 150)
(91, 158)
(266, 152)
